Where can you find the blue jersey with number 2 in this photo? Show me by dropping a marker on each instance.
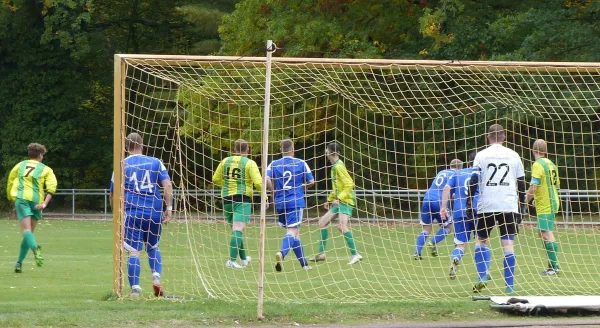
(434, 194)
(289, 175)
(143, 175)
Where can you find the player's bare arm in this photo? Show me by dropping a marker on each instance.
(168, 197)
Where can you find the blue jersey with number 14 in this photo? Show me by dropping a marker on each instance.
(460, 186)
(289, 175)
(143, 174)
(434, 194)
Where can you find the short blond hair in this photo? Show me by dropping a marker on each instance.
(456, 164)
(34, 150)
(496, 133)
(133, 142)
(540, 147)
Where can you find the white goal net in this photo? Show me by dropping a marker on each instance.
(399, 123)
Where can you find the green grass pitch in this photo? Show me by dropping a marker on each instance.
(71, 288)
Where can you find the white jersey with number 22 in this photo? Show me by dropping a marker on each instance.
(500, 168)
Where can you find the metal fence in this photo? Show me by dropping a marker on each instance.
(369, 196)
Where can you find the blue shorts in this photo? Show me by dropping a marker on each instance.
(463, 229)
(140, 231)
(292, 218)
(430, 211)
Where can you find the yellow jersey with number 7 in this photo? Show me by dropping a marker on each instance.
(28, 179)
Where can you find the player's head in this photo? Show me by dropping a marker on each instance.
(472, 157)
(332, 151)
(496, 134)
(456, 164)
(36, 151)
(241, 147)
(134, 144)
(287, 147)
(540, 148)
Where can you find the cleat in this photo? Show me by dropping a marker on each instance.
(432, 248)
(355, 259)
(454, 269)
(549, 272)
(18, 268)
(246, 261)
(481, 284)
(37, 252)
(233, 265)
(279, 262)
(306, 268)
(158, 289)
(509, 290)
(417, 257)
(319, 257)
(135, 292)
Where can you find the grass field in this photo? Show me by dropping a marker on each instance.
(72, 287)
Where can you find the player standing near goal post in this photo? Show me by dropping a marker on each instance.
(501, 182)
(464, 221)
(430, 211)
(144, 215)
(544, 189)
(340, 203)
(25, 187)
(288, 177)
(236, 175)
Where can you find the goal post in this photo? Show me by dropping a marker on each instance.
(399, 122)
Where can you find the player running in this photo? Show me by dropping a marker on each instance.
(144, 216)
(237, 175)
(544, 189)
(287, 177)
(501, 183)
(25, 187)
(430, 211)
(340, 203)
(462, 213)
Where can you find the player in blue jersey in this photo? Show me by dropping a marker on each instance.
(462, 213)
(287, 178)
(430, 211)
(144, 215)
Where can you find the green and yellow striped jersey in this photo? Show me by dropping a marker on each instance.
(343, 185)
(28, 179)
(237, 175)
(544, 174)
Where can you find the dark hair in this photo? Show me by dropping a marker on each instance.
(134, 141)
(287, 145)
(34, 150)
(334, 147)
(240, 146)
(472, 156)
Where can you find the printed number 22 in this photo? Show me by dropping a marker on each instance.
(498, 168)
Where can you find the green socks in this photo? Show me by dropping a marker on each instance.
(24, 250)
(323, 241)
(350, 242)
(29, 239)
(236, 245)
(552, 251)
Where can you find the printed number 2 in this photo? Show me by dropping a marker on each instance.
(29, 170)
(497, 168)
(287, 176)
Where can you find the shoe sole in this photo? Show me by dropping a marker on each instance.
(479, 286)
(18, 270)
(316, 259)
(453, 270)
(359, 259)
(39, 260)
(278, 265)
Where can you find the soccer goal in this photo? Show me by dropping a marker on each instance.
(399, 122)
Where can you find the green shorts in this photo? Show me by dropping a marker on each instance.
(26, 208)
(545, 222)
(343, 209)
(237, 212)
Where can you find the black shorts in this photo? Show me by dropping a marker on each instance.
(506, 223)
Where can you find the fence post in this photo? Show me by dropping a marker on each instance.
(73, 204)
(105, 202)
(568, 196)
(374, 218)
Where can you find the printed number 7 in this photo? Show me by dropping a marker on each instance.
(30, 169)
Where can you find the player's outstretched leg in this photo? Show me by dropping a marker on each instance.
(552, 253)
(456, 256)
(421, 239)
(440, 235)
(509, 271)
(234, 248)
(481, 256)
(22, 254)
(155, 262)
(286, 244)
(299, 251)
(133, 273)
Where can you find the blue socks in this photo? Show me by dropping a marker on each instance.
(155, 260)
(457, 253)
(440, 235)
(133, 270)
(421, 239)
(299, 251)
(509, 269)
(482, 257)
(286, 244)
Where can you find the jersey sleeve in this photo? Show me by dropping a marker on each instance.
(11, 178)
(452, 181)
(537, 172)
(254, 174)
(163, 174)
(346, 182)
(50, 181)
(112, 182)
(269, 172)
(520, 170)
(217, 177)
(308, 176)
(477, 162)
